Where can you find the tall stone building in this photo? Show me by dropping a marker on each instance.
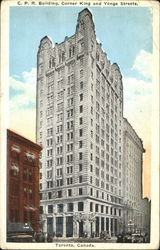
(79, 124)
(132, 178)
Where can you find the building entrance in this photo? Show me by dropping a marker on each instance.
(81, 229)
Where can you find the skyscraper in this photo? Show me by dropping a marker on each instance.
(79, 124)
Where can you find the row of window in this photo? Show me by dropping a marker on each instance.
(93, 207)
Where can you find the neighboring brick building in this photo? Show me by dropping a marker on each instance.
(79, 124)
(22, 180)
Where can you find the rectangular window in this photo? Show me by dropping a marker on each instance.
(80, 156)
(70, 207)
(59, 194)
(80, 167)
(81, 132)
(80, 120)
(49, 195)
(81, 85)
(80, 144)
(96, 208)
(80, 191)
(81, 73)
(81, 109)
(80, 206)
(81, 97)
(91, 206)
(80, 179)
(91, 191)
(50, 208)
(69, 192)
(60, 208)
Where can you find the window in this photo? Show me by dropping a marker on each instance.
(49, 195)
(81, 97)
(69, 170)
(80, 191)
(97, 193)
(106, 209)
(80, 167)
(91, 206)
(50, 208)
(81, 132)
(69, 180)
(91, 191)
(96, 208)
(91, 168)
(81, 85)
(80, 206)
(60, 208)
(70, 207)
(81, 73)
(91, 179)
(59, 194)
(80, 144)
(91, 156)
(69, 192)
(80, 178)
(59, 182)
(49, 184)
(102, 209)
(71, 51)
(80, 156)
(80, 120)
(81, 109)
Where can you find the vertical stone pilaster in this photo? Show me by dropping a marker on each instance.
(75, 229)
(64, 226)
(45, 225)
(54, 224)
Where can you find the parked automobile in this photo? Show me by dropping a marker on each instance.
(120, 238)
(19, 232)
(127, 238)
(138, 238)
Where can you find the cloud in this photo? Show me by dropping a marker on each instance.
(22, 103)
(24, 91)
(138, 105)
(143, 64)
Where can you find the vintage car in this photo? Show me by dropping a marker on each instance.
(19, 232)
(138, 238)
(127, 238)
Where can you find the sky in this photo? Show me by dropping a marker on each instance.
(126, 37)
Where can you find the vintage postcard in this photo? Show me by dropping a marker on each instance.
(79, 124)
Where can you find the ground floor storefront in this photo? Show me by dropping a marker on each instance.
(81, 225)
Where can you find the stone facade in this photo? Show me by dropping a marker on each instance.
(80, 126)
(132, 177)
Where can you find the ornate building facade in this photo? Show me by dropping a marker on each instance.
(80, 126)
(23, 180)
(79, 120)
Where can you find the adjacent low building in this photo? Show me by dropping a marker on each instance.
(22, 180)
